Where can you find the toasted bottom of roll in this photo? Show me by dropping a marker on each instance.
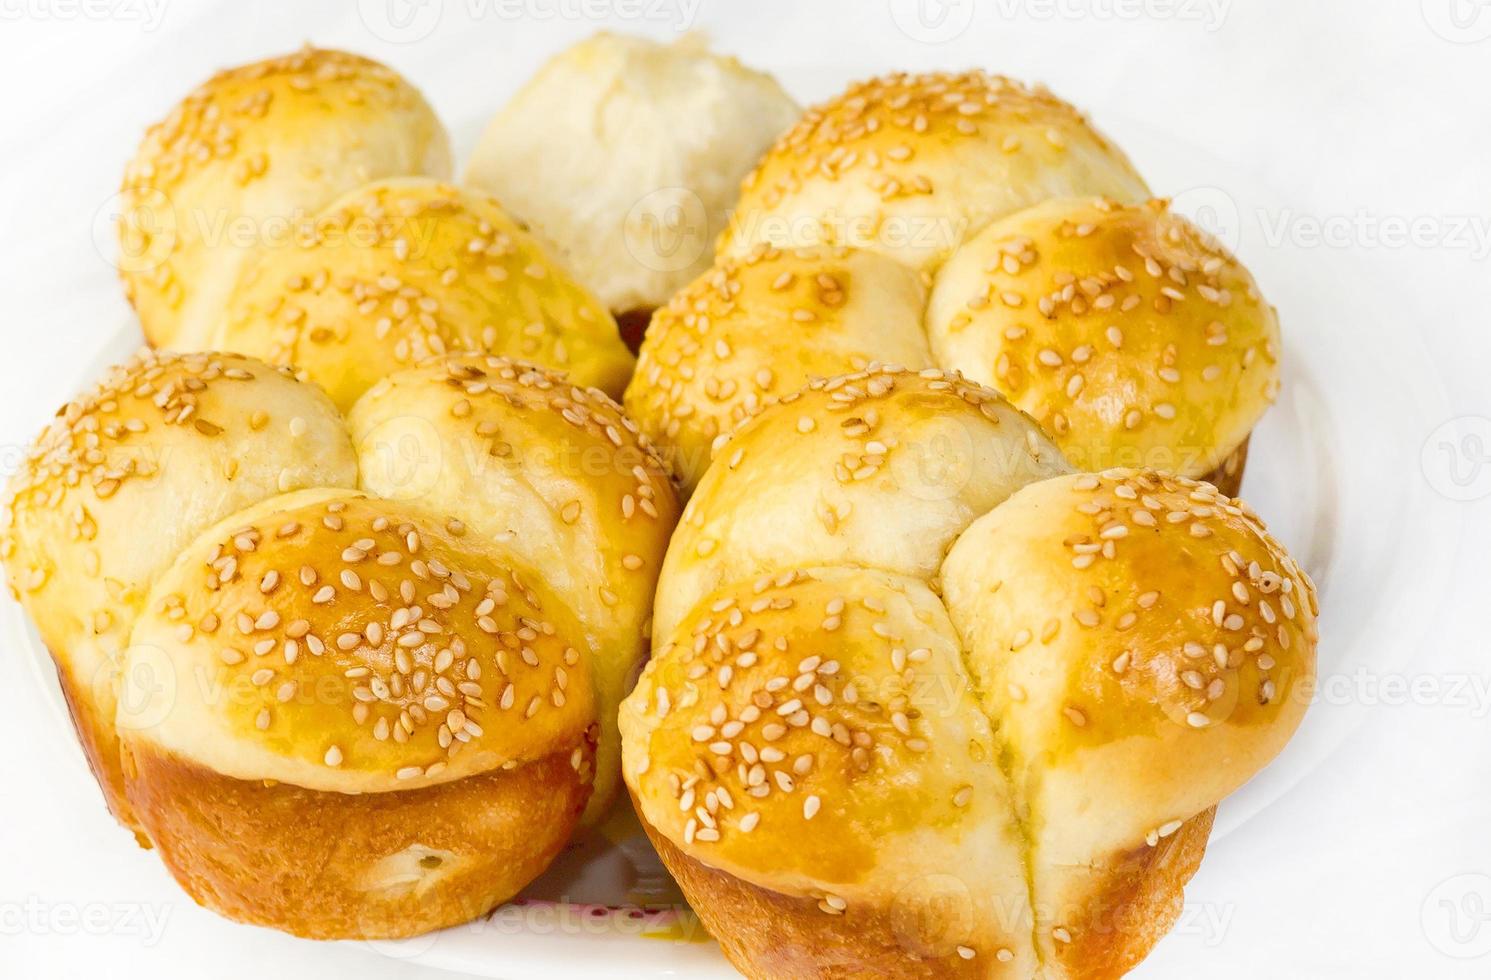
(1133, 903)
(1228, 476)
(100, 744)
(769, 936)
(370, 866)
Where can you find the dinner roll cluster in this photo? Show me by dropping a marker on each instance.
(351, 678)
(627, 155)
(924, 702)
(994, 233)
(295, 210)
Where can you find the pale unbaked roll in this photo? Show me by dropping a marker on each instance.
(627, 154)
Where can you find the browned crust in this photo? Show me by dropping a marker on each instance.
(1228, 476)
(1142, 896)
(100, 744)
(767, 935)
(299, 860)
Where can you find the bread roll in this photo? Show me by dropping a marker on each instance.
(759, 327)
(356, 651)
(1146, 647)
(981, 732)
(124, 478)
(351, 679)
(627, 154)
(911, 165)
(881, 469)
(517, 455)
(245, 160)
(1132, 336)
(401, 270)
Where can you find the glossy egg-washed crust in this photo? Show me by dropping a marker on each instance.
(343, 697)
(1131, 336)
(404, 269)
(967, 720)
(248, 158)
(1128, 333)
(911, 165)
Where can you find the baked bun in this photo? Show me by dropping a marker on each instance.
(882, 695)
(248, 158)
(526, 458)
(400, 270)
(1131, 335)
(122, 480)
(761, 326)
(370, 706)
(626, 154)
(1145, 647)
(910, 165)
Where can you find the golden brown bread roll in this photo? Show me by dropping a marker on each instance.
(342, 697)
(1131, 335)
(245, 161)
(952, 722)
(404, 269)
(760, 327)
(522, 457)
(124, 478)
(911, 165)
(351, 651)
(627, 154)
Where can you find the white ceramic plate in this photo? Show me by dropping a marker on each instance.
(1314, 471)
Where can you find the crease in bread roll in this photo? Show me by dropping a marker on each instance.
(993, 750)
(655, 140)
(912, 165)
(517, 455)
(342, 697)
(761, 326)
(246, 158)
(400, 270)
(1128, 333)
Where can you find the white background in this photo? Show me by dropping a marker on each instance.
(1366, 117)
